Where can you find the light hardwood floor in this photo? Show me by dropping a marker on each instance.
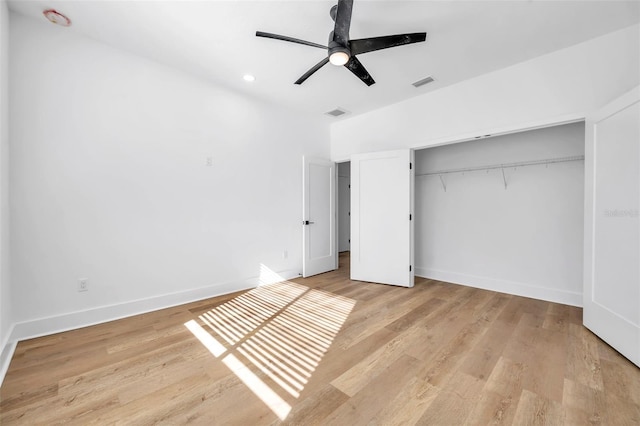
(327, 350)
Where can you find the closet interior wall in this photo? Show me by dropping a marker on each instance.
(524, 238)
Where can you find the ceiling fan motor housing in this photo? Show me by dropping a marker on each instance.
(338, 54)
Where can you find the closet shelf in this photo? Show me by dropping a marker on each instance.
(506, 165)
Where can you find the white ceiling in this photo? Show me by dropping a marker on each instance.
(216, 40)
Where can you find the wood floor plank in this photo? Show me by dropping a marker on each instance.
(314, 409)
(338, 360)
(584, 404)
(408, 404)
(386, 311)
(445, 323)
(499, 397)
(536, 410)
(622, 411)
(415, 315)
(28, 396)
(365, 404)
(544, 353)
(455, 401)
(583, 359)
(618, 382)
(328, 350)
(446, 360)
(483, 357)
(359, 375)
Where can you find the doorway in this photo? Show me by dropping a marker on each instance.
(344, 208)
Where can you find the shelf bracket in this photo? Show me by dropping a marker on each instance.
(444, 184)
(504, 179)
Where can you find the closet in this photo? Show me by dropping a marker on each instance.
(504, 213)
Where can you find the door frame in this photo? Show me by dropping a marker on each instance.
(338, 207)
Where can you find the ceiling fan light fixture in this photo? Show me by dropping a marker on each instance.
(339, 58)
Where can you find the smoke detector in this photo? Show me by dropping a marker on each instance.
(56, 17)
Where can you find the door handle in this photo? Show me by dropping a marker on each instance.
(306, 222)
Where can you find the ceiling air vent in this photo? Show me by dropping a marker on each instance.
(424, 81)
(336, 112)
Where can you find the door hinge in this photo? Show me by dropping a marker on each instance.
(410, 216)
(349, 186)
(410, 166)
(409, 268)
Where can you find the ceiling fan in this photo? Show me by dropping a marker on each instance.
(342, 50)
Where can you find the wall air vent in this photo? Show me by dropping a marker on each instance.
(336, 112)
(424, 81)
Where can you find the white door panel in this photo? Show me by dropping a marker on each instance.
(318, 212)
(381, 225)
(612, 227)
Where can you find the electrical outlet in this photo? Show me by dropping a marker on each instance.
(83, 284)
(285, 254)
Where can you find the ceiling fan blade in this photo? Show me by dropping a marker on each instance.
(343, 22)
(313, 69)
(290, 39)
(356, 67)
(365, 45)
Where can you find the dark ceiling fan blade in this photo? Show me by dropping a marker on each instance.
(356, 67)
(313, 69)
(365, 45)
(290, 39)
(343, 22)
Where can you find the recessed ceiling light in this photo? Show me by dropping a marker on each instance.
(56, 17)
(248, 77)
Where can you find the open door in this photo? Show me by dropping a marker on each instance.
(612, 230)
(382, 217)
(319, 217)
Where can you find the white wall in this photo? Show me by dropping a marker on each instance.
(552, 88)
(524, 240)
(5, 290)
(109, 182)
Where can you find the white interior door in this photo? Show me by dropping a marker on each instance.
(318, 216)
(612, 231)
(381, 217)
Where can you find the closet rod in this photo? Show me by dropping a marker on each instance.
(506, 166)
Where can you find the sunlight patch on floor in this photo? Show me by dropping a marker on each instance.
(268, 276)
(281, 330)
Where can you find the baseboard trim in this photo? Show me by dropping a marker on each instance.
(503, 286)
(98, 315)
(8, 348)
